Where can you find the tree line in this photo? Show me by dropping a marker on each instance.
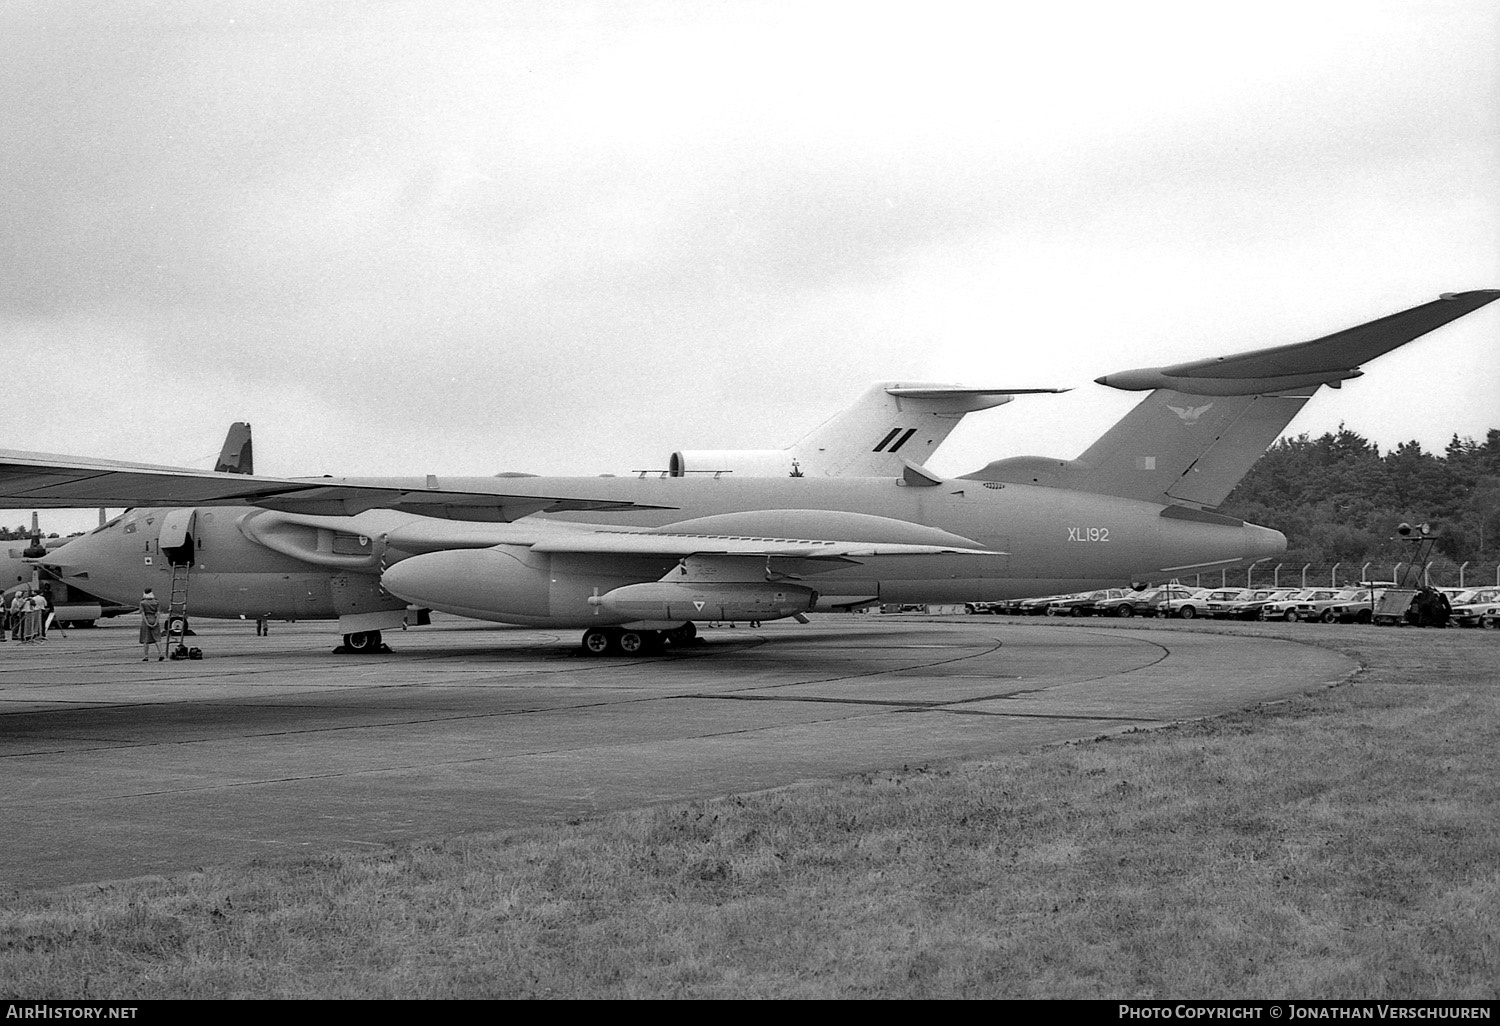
(1337, 498)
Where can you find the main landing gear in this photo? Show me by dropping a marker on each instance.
(362, 643)
(627, 641)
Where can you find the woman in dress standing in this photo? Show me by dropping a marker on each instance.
(150, 626)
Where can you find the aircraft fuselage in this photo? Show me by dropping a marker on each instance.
(255, 563)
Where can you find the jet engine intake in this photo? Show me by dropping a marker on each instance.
(667, 601)
(316, 540)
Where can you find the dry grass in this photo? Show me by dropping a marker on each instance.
(1345, 844)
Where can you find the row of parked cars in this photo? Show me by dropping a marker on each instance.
(1470, 607)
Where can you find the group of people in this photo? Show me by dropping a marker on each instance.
(25, 616)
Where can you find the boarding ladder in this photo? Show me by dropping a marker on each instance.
(177, 606)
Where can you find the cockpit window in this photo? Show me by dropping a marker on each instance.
(106, 526)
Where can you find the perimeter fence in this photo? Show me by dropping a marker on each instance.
(1438, 573)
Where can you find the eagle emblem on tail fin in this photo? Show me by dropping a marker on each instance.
(1190, 414)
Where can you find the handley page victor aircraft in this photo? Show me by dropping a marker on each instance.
(635, 559)
(865, 440)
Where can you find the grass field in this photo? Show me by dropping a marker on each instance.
(1345, 844)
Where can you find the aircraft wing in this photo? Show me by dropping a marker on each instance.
(459, 579)
(957, 396)
(802, 534)
(647, 543)
(47, 481)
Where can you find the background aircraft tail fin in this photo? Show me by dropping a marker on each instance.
(237, 456)
(890, 424)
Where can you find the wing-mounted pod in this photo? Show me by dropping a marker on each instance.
(674, 602)
(313, 540)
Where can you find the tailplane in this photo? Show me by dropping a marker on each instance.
(1206, 422)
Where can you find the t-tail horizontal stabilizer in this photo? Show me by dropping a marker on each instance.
(1325, 361)
(1206, 422)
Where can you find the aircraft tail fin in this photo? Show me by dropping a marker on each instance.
(890, 424)
(1206, 422)
(238, 455)
(1174, 447)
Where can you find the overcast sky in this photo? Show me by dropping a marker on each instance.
(462, 238)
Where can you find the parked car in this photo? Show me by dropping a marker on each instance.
(1090, 607)
(1355, 605)
(1128, 604)
(1249, 607)
(1476, 608)
(1175, 600)
(1314, 602)
(1086, 604)
(1218, 602)
(1286, 608)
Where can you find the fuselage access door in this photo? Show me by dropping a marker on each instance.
(176, 537)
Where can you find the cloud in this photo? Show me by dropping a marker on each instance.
(575, 237)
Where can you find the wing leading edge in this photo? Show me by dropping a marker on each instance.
(47, 481)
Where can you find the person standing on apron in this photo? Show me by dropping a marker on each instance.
(150, 626)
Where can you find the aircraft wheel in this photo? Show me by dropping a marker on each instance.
(632, 642)
(177, 625)
(1187, 612)
(362, 642)
(597, 640)
(1125, 610)
(683, 635)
